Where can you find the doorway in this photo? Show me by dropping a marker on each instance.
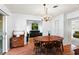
(1, 34)
(75, 31)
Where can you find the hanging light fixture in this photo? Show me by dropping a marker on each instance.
(46, 17)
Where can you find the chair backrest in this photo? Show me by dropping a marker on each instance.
(36, 43)
(49, 45)
(57, 43)
(76, 51)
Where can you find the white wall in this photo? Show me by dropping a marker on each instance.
(67, 30)
(9, 30)
(73, 16)
(46, 26)
(58, 23)
(29, 25)
(61, 25)
(20, 22)
(40, 27)
(55, 26)
(52, 26)
(8, 27)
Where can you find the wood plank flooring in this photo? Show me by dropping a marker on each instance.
(29, 50)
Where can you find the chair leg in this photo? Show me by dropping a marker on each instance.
(59, 51)
(62, 50)
(38, 51)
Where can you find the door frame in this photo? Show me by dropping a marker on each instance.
(72, 19)
(4, 34)
(4, 40)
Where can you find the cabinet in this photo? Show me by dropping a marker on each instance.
(17, 41)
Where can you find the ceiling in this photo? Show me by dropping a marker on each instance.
(38, 9)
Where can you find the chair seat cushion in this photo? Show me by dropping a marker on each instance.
(76, 51)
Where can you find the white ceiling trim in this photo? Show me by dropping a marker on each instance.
(37, 9)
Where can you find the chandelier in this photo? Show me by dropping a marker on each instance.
(46, 17)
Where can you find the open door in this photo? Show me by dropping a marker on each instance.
(1, 34)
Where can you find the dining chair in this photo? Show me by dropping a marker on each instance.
(76, 51)
(37, 47)
(48, 47)
(58, 47)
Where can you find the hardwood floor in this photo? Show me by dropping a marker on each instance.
(28, 50)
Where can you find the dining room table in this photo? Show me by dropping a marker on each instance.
(51, 38)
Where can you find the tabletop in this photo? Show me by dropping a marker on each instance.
(49, 38)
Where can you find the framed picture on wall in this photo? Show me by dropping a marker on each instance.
(34, 26)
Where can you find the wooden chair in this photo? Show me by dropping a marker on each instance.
(76, 51)
(48, 47)
(58, 47)
(37, 47)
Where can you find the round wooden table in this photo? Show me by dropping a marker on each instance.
(47, 39)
